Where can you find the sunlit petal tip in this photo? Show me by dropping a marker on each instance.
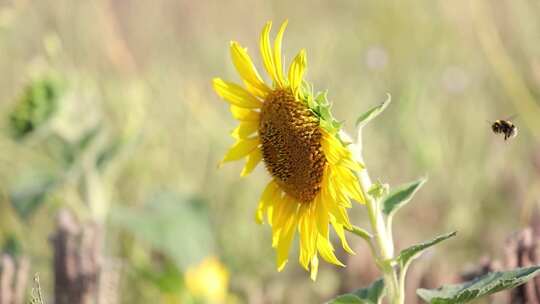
(253, 160)
(235, 94)
(267, 53)
(297, 70)
(259, 217)
(277, 54)
(281, 266)
(314, 268)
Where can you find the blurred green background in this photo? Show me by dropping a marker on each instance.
(107, 109)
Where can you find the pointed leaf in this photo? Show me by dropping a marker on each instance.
(369, 295)
(31, 192)
(372, 113)
(408, 255)
(482, 286)
(401, 196)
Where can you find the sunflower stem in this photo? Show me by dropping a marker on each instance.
(384, 256)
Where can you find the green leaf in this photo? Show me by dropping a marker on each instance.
(169, 279)
(28, 195)
(482, 286)
(363, 119)
(401, 196)
(37, 105)
(369, 295)
(175, 225)
(409, 254)
(109, 152)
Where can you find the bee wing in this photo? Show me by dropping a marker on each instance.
(512, 117)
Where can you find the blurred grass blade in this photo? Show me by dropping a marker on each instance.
(409, 254)
(479, 287)
(370, 295)
(372, 113)
(28, 195)
(401, 196)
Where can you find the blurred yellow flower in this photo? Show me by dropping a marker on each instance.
(294, 134)
(208, 280)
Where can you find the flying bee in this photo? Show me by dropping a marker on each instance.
(506, 127)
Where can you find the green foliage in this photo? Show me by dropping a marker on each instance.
(12, 246)
(401, 196)
(28, 195)
(36, 106)
(109, 152)
(482, 286)
(370, 295)
(174, 225)
(378, 190)
(406, 256)
(168, 280)
(370, 114)
(321, 107)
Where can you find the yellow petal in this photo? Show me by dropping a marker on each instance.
(253, 160)
(270, 194)
(341, 234)
(277, 54)
(332, 148)
(247, 70)
(245, 129)
(337, 154)
(337, 191)
(349, 184)
(240, 149)
(266, 52)
(297, 70)
(308, 235)
(284, 243)
(323, 219)
(244, 114)
(325, 248)
(284, 210)
(235, 94)
(314, 267)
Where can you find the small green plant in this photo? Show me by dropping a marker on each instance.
(382, 205)
(36, 106)
(37, 296)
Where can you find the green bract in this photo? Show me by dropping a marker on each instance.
(321, 107)
(38, 103)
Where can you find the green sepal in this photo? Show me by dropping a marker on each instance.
(321, 107)
(485, 285)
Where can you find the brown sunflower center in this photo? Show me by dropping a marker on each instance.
(291, 145)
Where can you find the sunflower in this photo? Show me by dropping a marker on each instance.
(291, 130)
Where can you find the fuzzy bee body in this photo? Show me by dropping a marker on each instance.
(505, 127)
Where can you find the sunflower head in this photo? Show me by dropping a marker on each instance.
(292, 131)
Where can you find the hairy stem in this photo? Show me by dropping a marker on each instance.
(381, 233)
